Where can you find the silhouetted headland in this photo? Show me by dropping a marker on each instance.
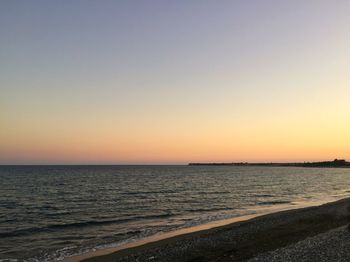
(341, 163)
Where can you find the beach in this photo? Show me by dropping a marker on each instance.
(291, 235)
(174, 131)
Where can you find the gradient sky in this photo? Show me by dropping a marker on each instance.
(174, 81)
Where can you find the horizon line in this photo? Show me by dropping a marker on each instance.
(165, 164)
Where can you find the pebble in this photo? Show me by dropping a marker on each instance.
(333, 245)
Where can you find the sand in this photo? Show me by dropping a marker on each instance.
(280, 236)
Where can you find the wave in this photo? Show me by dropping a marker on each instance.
(148, 192)
(277, 202)
(82, 224)
(207, 209)
(264, 195)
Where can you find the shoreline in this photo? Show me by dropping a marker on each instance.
(336, 163)
(187, 241)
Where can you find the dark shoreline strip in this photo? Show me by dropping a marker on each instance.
(324, 164)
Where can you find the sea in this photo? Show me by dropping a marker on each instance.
(48, 213)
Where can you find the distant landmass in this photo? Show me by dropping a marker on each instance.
(335, 163)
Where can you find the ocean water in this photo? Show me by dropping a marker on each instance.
(48, 213)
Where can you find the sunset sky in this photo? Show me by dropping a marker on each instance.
(171, 82)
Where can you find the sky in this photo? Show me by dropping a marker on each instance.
(172, 82)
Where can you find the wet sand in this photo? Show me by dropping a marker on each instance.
(243, 238)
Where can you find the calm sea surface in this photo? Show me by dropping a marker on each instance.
(51, 212)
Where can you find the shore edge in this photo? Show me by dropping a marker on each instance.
(310, 218)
